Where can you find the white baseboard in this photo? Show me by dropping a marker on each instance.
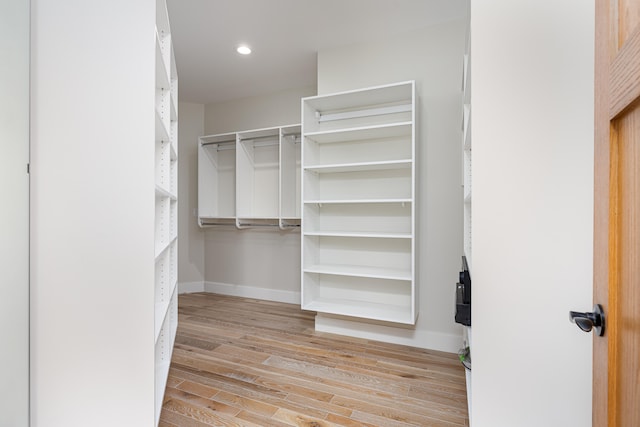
(290, 297)
(450, 343)
(190, 287)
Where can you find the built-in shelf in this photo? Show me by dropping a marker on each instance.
(250, 179)
(166, 207)
(359, 271)
(358, 234)
(358, 203)
(358, 167)
(363, 133)
(375, 311)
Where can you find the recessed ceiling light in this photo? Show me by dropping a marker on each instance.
(243, 50)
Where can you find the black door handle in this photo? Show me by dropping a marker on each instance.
(589, 320)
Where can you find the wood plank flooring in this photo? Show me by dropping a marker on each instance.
(247, 362)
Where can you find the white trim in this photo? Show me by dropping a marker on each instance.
(290, 297)
(190, 287)
(395, 335)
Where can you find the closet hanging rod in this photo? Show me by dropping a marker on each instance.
(393, 109)
(259, 138)
(253, 225)
(228, 141)
(217, 223)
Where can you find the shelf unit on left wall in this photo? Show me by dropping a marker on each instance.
(166, 205)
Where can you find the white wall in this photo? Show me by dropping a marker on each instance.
(433, 58)
(92, 213)
(256, 263)
(14, 215)
(191, 241)
(532, 136)
(280, 108)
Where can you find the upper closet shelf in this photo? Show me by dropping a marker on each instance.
(374, 97)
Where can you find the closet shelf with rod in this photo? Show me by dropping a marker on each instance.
(250, 179)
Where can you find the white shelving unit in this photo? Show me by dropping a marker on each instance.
(250, 178)
(166, 210)
(466, 168)
(358, 203)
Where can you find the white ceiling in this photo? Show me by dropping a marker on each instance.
(285, 36)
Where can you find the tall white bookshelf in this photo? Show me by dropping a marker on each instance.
(166, 203)
(358, 203)
(250, 179)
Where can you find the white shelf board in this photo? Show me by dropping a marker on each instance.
(224, 138)
(173, 107)
(354, 201)
(375, 311)
(366, 97)
(362, 133)
(163, 192)
(259, 133)
(162, 72)
(164, 247)
(161, 312)
(174, 153)
(467, 195)
(466, 134)
(162, 133)
(359, 271)
(358, 234)
(364, 166)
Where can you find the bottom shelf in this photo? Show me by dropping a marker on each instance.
(375, 299)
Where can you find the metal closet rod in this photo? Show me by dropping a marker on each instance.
(292, 134)
(249, 224)
(217, 223)
(229, 141)
(257, 138)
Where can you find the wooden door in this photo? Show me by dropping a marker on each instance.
(616, 381)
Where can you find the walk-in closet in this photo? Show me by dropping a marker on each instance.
(273, 213)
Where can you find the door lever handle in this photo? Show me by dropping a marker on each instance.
(589, 320)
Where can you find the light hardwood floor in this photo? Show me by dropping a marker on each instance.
(247, 362)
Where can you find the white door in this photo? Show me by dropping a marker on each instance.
(14, 213)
